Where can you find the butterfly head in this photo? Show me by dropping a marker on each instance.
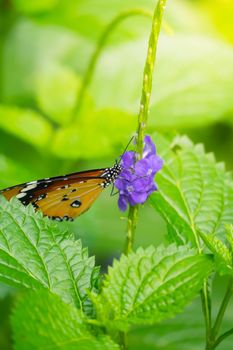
(111, 174)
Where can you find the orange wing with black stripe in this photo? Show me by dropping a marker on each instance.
(64, 197)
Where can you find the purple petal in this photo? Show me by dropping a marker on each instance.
(152, 188)
(155, 163)
(149, 147)
(138, 198)
(141, 167)
(136, 181)
(119, 183)
(141, 184)
(122, 203)
(128, 174)
(128, 159)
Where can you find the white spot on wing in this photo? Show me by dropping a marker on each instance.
(21, 195)
(29, 187)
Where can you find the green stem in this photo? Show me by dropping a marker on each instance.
(123, 340)
(144, 108)
(222, 309)
(148, 74)
(205, 296)
(211, 339)
(102, 41)
(223, 336)
(206, 308)
(131, 227)
(94, 322)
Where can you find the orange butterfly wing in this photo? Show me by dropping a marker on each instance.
(68, 203)
(64, 197)
(10, 192)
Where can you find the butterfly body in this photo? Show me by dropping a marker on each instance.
(64, 197)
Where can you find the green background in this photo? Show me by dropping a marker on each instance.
(45, 49)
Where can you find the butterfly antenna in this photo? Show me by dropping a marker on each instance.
(127, 146)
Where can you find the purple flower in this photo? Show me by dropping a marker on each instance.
(136, 181)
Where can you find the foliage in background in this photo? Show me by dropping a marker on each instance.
(192, 90)
(45, 49)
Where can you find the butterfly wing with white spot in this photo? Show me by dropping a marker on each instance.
(64, 197)
(60, 197)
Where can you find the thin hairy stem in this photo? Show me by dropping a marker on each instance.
(99, 48)
(144, 108)
(131, 227)
(148, 74)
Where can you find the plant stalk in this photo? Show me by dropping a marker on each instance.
(144, 109)
(223, 336)
(222, 308)
(99, 48)
(212, 339)
(206, 307)
(123, 341)
(131, 227)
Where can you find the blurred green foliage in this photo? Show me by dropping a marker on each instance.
(45, 50)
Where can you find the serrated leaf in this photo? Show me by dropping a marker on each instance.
(222, 255)
(53, 325)
(229, 229)
(195, 193)
(185, 331)
(151, 285)
(35, 253)
(25, 124)
(5, 290)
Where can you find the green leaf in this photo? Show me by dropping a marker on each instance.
(53, 325)
(78, 16)
(185, 331)
(108, 129)
(31, 42)
(57, 89)
(190, 92)
(229, 229)
(32, 7)
(222, 255)
(5, 290)
(26, 124)
(35, 253)
(195, 193)
(151, 285)
(10, 171)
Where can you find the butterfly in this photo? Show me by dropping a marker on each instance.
(64, 197)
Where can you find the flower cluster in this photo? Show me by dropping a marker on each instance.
(136, 181)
